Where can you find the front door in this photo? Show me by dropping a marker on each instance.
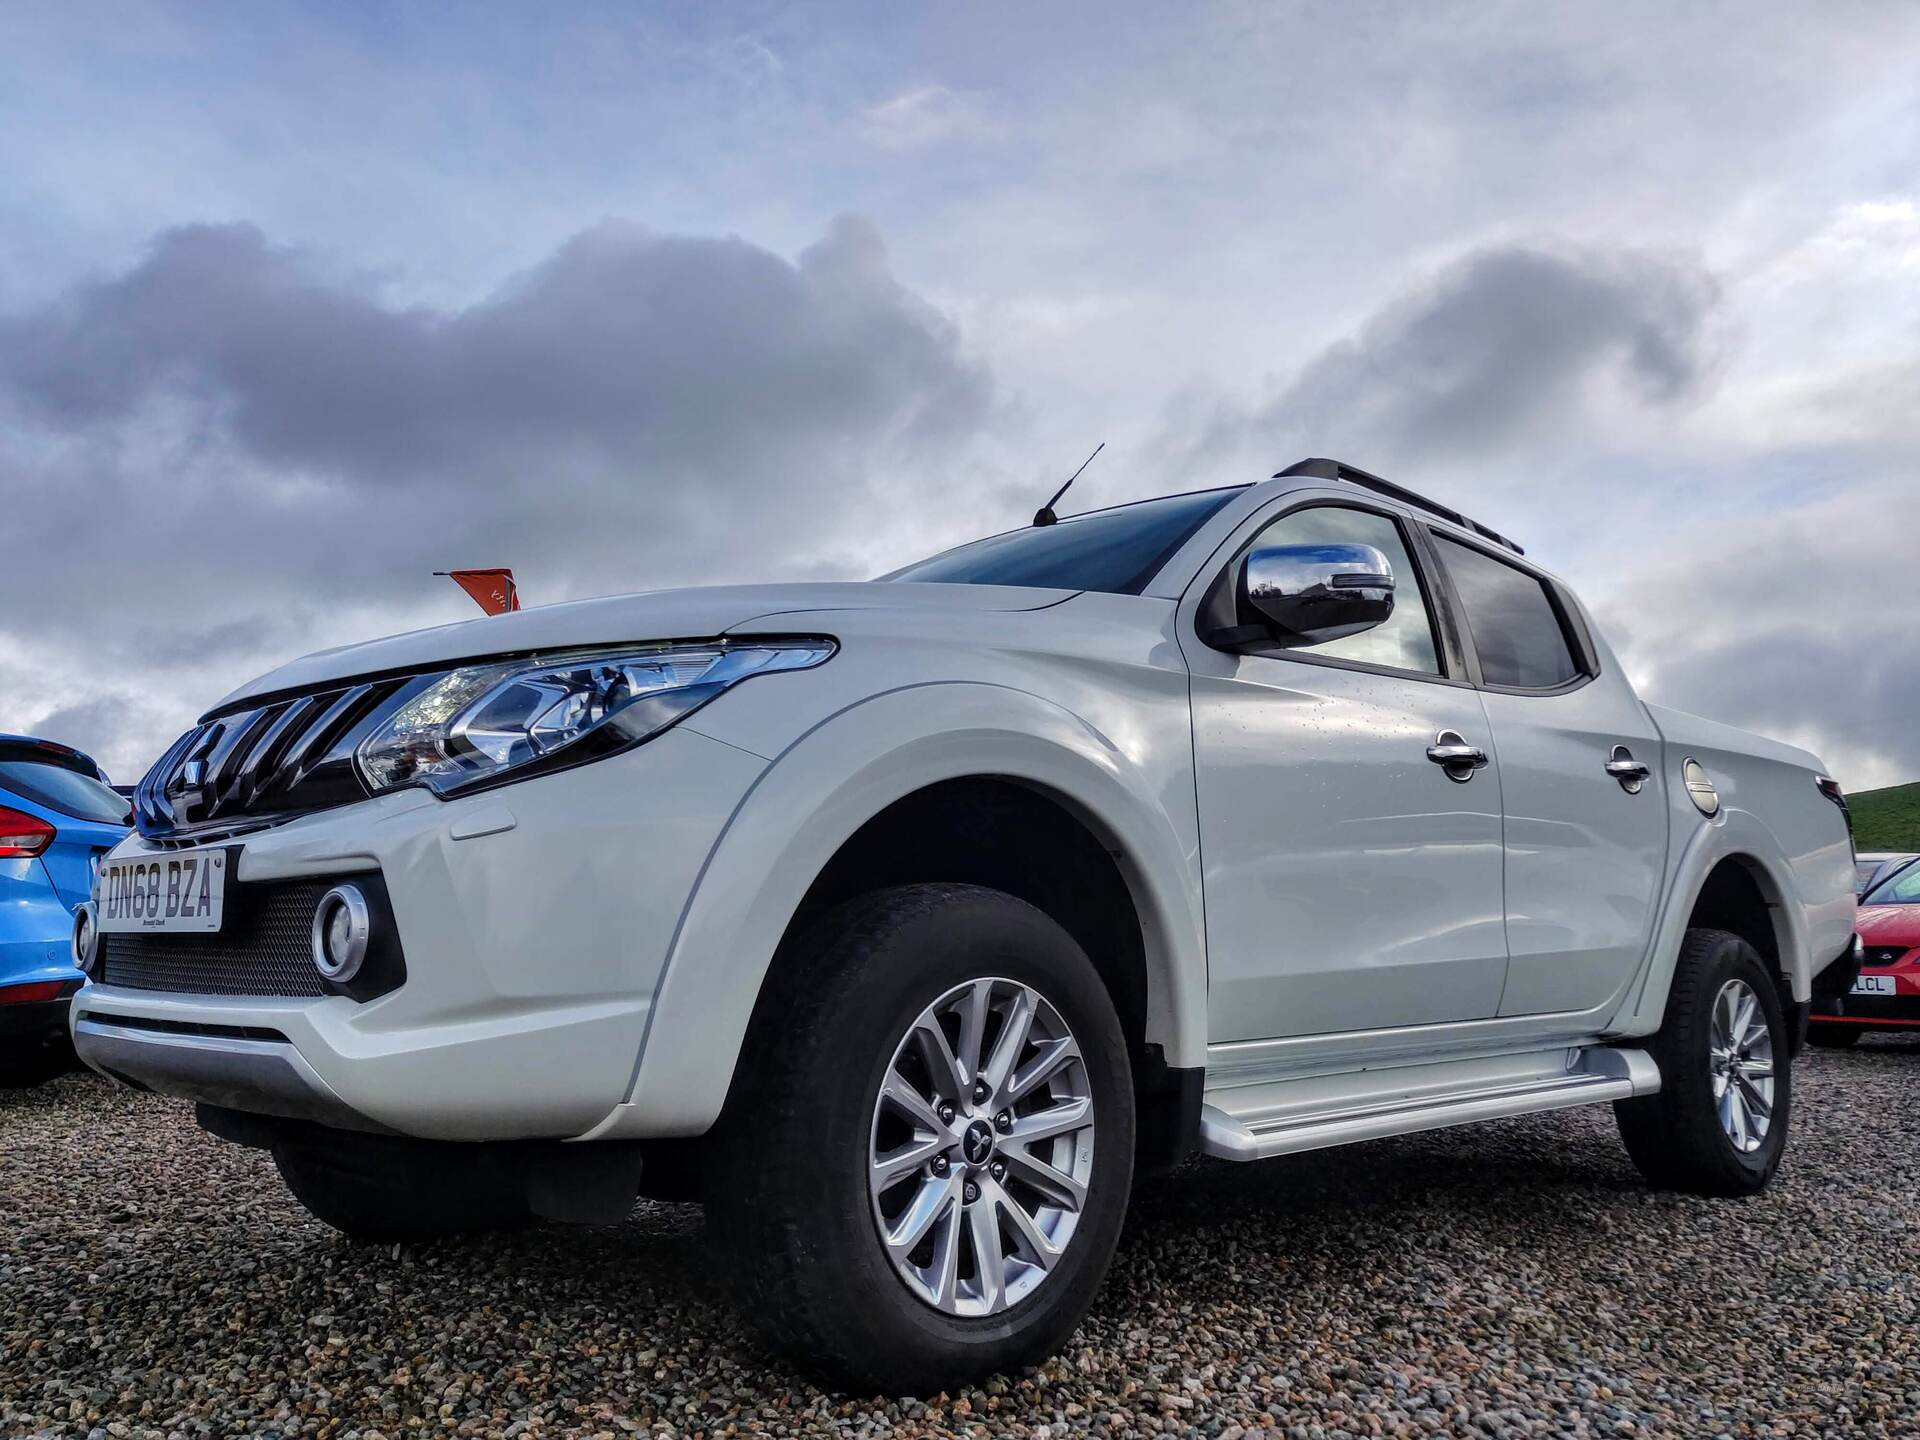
(1352, 882)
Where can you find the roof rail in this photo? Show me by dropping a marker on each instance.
(1321, 468)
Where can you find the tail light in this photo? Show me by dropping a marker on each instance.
(35, 991)
(1830, 787)
(22, 836)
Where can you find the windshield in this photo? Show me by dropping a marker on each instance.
(1900, 888)
(66, 791)
(1116, 551)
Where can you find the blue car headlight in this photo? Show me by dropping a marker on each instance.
(484, 724)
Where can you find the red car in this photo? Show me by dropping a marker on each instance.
(1887, 994)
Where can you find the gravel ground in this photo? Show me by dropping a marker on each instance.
(1513, 1279)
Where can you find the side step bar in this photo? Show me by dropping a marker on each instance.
(1285, 1117)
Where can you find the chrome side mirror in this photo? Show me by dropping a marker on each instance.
(1309, 594)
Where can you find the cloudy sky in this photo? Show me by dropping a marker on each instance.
(299, 304)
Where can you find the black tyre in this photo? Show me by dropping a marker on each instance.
(1719, 1124)
(1000, 1183)
(381, 1189)
(1833, 1037)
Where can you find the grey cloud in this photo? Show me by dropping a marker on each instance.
(1787, 624)
(1496, 348)
(226, 454)
(632, 347)
(109, 716)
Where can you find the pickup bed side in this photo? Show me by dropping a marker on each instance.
(1776, 827)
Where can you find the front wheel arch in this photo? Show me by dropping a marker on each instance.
(820, 793)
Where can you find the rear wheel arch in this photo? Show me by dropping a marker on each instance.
(1740, 897)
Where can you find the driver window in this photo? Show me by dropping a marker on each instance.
(1405, 641)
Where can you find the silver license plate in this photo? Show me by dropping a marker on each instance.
(182, 893)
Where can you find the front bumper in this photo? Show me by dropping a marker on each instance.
(535, 921)
(238, 1067)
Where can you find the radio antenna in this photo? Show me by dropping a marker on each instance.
(1044, 515)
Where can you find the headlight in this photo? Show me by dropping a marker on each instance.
(472, 726)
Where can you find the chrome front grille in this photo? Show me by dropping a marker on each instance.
(281, 758)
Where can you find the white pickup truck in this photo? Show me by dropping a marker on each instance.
(903, 923)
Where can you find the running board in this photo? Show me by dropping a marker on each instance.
(1283, 1117)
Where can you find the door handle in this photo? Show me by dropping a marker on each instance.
(1631, 773)
(1452, 753)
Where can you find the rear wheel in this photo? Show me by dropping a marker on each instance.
(1718, 1125)
(1833, 1037)
(924, 1174)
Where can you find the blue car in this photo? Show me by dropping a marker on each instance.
(58, 815)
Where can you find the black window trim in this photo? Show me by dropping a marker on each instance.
(1573, 629)
(1441, 610)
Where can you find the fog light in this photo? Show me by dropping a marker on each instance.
(85, 940)
(341, 925)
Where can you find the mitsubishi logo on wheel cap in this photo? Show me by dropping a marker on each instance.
(977, 1142)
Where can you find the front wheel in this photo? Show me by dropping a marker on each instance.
(1718, 1125)
(925, 1171)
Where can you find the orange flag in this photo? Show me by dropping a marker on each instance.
(492, 590)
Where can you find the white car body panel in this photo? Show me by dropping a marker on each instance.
(527, 990)
(1585, 858)
(1768, 822)
(1350, 885)
(1314, 896)
(1104, 727)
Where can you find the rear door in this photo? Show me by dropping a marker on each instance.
(1350, 883)
(1581, 781)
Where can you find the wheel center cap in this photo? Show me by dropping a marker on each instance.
(977, 1143)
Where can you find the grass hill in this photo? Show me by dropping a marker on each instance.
(1887, 819)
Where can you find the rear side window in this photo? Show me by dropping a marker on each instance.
(66, 791)
(1516, 627)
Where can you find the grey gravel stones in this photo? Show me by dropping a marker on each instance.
(1510, 1280)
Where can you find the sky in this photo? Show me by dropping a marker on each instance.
(301, 303)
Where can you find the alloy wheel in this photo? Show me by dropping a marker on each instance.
(981, 1147)
(1740, 1058)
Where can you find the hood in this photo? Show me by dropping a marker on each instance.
(1888, 924)
(692, 614)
